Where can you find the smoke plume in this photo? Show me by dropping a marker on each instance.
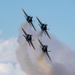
(33, 62)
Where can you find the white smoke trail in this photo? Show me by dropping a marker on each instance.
(62, 56)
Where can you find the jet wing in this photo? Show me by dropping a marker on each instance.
(48, 34)
(40, 42)
(48, 56)
(24, 36)
(33, 26)
(39, 20)
(32, 45)
(24, 12)
(24, 31)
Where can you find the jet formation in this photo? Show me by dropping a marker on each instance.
(28, 37)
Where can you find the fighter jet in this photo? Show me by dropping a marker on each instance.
(28, 38)
(43, 27)
(44, 49)
(29, 19)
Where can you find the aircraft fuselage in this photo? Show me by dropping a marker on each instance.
(44, 49)
(29, 19)
(28, 37)
(44, 27)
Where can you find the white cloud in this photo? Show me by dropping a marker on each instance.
(8, 61)
(7, 50)
(10, 69)
(6, 68)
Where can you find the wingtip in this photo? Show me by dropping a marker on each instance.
(38, 40)
(22, 28)
(35, 29)
(50, 37)
(51, 60)
(34, 49)
(36, 16)
(22, 8)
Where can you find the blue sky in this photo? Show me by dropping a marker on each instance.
(58, 14)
